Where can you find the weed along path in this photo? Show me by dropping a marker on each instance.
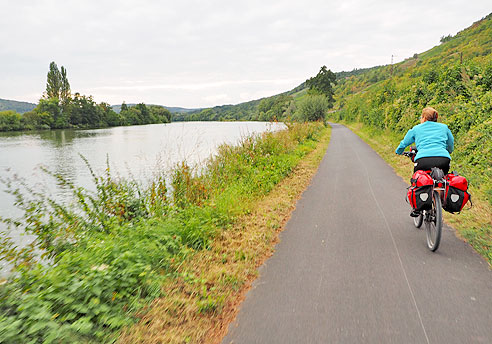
(351, 267)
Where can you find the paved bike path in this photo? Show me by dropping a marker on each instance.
(352, 268)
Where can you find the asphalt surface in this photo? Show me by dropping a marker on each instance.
(352, 268)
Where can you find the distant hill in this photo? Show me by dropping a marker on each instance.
(15, 105)
(22, 107)
(117, 108)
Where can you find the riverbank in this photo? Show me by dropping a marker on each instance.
(201, 303)
(472, 225)
(132, 248)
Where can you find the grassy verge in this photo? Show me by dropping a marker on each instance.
(174, 262)
(473, 225)
(201, 302)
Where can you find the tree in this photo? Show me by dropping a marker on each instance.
(34, 120)
(312, 108)
(144, 113)
(124, 107)
(65, 94)
(109, 117)
(159, 114)
(52, 107)
(53, 83)
(10, 120)
(273, 108)
(323, 83)
(85, 113)
(445, 39)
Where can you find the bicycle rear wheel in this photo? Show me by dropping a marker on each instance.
(433, 223)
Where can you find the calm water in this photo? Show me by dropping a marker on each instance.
(136, 151)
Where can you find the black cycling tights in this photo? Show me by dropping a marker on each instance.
(426, 164)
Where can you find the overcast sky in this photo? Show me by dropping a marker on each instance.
(210, 52)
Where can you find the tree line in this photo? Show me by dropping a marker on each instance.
(59, 109)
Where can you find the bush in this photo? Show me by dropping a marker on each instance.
(312, 108)
(10, 120)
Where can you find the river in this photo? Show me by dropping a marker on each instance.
(138, 152)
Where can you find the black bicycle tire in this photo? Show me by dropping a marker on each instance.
(434, 237)
(417, 221)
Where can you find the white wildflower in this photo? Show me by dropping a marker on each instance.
(101, 267)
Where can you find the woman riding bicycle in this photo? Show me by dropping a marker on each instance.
(434, 142)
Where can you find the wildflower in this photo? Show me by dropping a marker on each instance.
(101, 267)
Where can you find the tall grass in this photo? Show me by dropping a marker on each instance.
(106, 255)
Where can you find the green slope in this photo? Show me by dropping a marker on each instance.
(20, 107)
(454, 77)
(117, 108)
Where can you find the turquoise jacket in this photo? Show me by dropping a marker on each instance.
(431, 138)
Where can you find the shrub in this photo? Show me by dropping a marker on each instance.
(312, 108)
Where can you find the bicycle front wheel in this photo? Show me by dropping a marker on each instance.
(433, 223)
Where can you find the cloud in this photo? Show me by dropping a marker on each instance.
(189, 52)
(195, 86)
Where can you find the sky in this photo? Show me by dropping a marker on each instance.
(198, 54)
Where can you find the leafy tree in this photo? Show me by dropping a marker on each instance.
(65, 94)
(159, 114)
(109, 116)
(34, 120)
(10, 120)
(313, 108)
(84, 112)
(144, 113)
(52, 107)
(273, 108)
(53, 83)
(323, 83)
(124, 107)
(445, 39)
(131, 116)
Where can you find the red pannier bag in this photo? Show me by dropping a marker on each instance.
(456, 193)
(420, 192)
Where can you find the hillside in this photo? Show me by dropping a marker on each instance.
(117, 108)
(454, 77)
(243, 111)
(17, 106)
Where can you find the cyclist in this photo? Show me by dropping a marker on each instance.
(434, 142)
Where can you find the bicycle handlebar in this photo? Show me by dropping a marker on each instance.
(411, 153)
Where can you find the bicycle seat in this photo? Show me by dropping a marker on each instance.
(437, 173)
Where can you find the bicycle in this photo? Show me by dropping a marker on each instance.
(432, 218)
